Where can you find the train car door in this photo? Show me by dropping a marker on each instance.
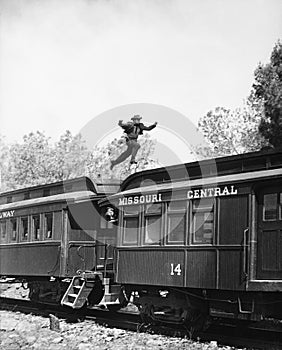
(269, 240)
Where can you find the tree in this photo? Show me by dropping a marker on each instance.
(268, 89)
(258, 124)
(230, 132)
(29, 162)
(4, 158)
(69, 157)
(36, 161)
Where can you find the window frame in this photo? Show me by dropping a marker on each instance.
(11, 231)
(33, 228)
(123, 227)
(184, 213)
(278, 208)
(188, 214)
(4, 241)
(193, 212)
(105, 224)
(147, 214)
(130, 244)
(45, 238)
(21, 228)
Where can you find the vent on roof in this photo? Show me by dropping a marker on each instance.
(27, 195)
(46, 192)
(68, 188)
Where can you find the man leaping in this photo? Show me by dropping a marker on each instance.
(133, 130)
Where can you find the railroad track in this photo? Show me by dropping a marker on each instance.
(231, 335)
(122, 320)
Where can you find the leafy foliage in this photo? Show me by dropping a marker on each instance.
(37, 161)
(268, 89)
(29, 162)
(69, 157)
(230, 132)
(4, 151)
(257, 124)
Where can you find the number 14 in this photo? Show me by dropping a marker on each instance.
(176, 269)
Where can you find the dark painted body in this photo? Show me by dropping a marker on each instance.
(77, 240)
(237, 271)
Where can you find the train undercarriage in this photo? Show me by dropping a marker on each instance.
(197, 308)
(84, 290)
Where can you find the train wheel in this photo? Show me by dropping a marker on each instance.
(195, 321)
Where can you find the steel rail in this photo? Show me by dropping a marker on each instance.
(223, 334)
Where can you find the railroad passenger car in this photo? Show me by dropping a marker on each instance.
(203, 239)
(54, 238)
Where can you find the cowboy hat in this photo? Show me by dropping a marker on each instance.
(137, 116)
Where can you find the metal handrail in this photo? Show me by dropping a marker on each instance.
(105, 258)
(245, 247)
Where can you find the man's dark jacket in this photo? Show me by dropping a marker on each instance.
(129, 129)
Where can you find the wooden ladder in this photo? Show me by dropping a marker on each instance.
(78, 292)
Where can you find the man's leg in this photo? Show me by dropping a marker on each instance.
(135, 148)
(123, 156)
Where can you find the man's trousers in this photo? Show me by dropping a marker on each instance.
(132, 149)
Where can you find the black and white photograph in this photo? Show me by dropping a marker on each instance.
(140, 174)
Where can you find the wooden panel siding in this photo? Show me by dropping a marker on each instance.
(231, 269)
(201, 269)
(33, 259)
(270, 255)
(150, 267)
(233, 219)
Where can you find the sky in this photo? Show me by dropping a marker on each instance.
(65, 62)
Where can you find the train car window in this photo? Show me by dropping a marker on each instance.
(24, 229)
(104, 223)
(26, 195)
(3, 231)
(176, 222)
(46, 192)
(202, 221)
(130, 231)
(270, 205)
(280, 207)
(48, 225)
(177, 206)
(176, 229)
(154, 208)
(14, 229)
(131, 210)
(130, 225)
(152, 229)
(152, 224)
(35, 227)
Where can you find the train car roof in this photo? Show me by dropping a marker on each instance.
(187, 184)
(81, 184)
(70, 198)
(237, 164)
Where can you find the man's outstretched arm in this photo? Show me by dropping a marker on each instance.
(124, 125)
(121, 123)
(148, 128)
